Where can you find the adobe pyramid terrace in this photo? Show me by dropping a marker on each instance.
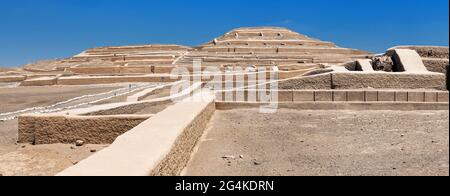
(255, 101)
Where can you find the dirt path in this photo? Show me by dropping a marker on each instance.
(324, 143)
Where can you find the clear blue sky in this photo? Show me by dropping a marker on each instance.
(33, 30)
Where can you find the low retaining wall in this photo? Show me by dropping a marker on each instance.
(112, 80)
(338, 106)
(160, 146)
(389, 81)
(293, 96)
(141, 95)
(112, 70)
(321, 81)
(153, 78)
(12, 78)
(358, 80)
(51, 129)
(45, 81)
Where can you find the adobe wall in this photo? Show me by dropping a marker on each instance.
(384, 96)
(45, 81)
(112, 80)
(355, 80)
(51, 129)
(321, 81)
(111, 70)
(143, 94)
(436, 65)
(338, 106)
(429, 51)
(161, 145)
(364, 80)
(180, 154)
(12, 78)
(128, 109)
(152, 78)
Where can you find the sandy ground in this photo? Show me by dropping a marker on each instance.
(42, 160)
(309, 143)
(13, 99)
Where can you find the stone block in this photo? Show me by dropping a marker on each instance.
(443, 97)
(356, 96)
(386, 96)
(323, 96)
(401, 96)
(340, 96)
(303, 96)
(431, 97)
(371, 96)
(416, 96)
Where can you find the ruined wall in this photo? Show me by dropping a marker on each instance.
(437, 65)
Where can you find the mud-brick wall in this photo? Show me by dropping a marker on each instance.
(354, 80)
(438, 65)
(66, 129)
(12, 78)
(389, 81)
(174, 163)
(309, 82)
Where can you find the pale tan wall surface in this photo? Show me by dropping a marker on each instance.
(369, 95)
(161, 145)
(12, 78)
(436, 65)
(322, 81)
(404, 106)
(68, 129)
(46, 81)
(389, 81)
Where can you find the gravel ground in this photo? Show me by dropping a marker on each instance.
(311, 143)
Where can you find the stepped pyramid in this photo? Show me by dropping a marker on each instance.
(262, 46)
